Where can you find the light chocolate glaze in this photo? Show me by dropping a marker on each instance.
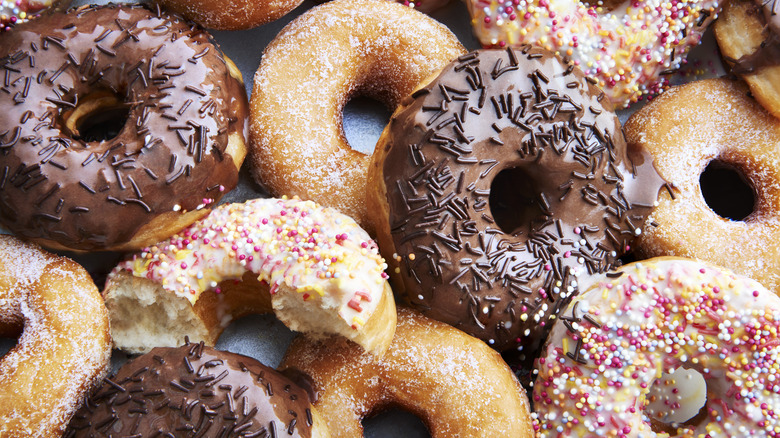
(586, 195)
(169, 156)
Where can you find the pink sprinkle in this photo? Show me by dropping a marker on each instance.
(183, 265)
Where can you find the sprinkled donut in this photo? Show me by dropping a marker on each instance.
(626, 50)
(64, 347)
(499, 183)
(120, 126)
(649, 318)
(376, 48)
(14, 12)
(197, 391)
(713, 124)
(231, 14)
(314, 267)
(453, 382)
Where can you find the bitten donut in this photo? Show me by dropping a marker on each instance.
(120, 126)
(314, 267)
(748, 34)
(375, 48)
(713, 124)
(453, 382)
(14, 12)
(605, 354)
(197, 391)
(232, 14)
(496, 185)
(64, 347)
(626, 49)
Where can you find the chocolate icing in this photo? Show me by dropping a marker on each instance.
(169, 156)
(768, 53)
(489, 111)
(195, 391)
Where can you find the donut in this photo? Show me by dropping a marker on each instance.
(713, 124)
(626, 49)
(297, 144)
(13, 12)
(196, 390)
(748, 34)
(453, 382)
(64, 347)
(496, 185)
(121, 125)
(314, 267)
(232, 14)
(610, 348)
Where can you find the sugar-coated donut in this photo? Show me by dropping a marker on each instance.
(64, 347)
(453, 382)
(197, 391)
(14, 12)
(626, 49)
(748, 34)
(374, 47)
(231, 14)
(649, 318)
(498, 184)
(686, 129)
(324, 275)
(65, 77)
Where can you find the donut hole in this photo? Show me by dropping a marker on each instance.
(99, 116)
(363, 120)
(395, 422)
(676, 399)
(6, 344)
(514, 201)
(727, 191)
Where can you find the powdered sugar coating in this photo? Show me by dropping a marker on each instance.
(308, 73)
(64, 348)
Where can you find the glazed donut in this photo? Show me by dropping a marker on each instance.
(712, 123)
(453, 382)
(297, 142)
(64, 347)
(14, 12)
(648, 318)
(626, 49)
(499, 183)
(748, 35)
(199, 390)
(231, 14)
(73, 174)
(324, 275)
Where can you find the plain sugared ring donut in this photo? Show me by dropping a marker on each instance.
(748, 34)
(498, 184)
(688, 129)
(67, 185)
(453, 382)
(197, 391)
(375, 48)
(64, 347)
(605, 353)
(626, 49)
(231, 14)
(14, 12)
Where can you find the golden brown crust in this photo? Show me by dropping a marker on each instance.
(65, 346)
(455, 383)
(231, 14)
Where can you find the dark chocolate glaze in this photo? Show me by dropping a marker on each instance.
(768, 53)
(169, 156)
(489, 111)
(195, 391)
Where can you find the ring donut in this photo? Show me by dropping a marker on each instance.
(64, 347)
(375, 48)
(74, 174)
(231, 14)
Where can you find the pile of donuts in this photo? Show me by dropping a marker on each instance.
(510, 260)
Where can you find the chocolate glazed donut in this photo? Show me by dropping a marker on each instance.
(176, 106)
(502, 181)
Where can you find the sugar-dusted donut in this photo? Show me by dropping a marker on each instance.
(231, 14)
(453, 382)
(375, 48)
(497, 185)
(748, 34)
(603, 356)
(626, 49)
(120, 126)
(314, 267)
(64, 347)
(14, 12)
(197, 391)
(713, 123)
